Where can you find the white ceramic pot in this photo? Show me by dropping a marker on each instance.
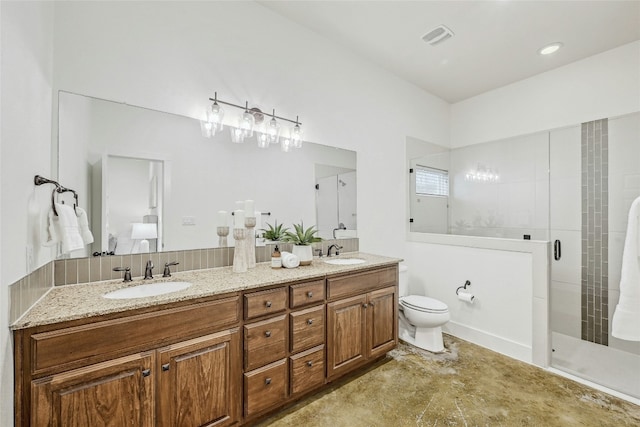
(304, 253)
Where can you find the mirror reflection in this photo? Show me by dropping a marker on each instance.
(151, 179)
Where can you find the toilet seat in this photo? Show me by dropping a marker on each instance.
(424, 304)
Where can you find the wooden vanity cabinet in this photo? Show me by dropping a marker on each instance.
(362, 327)
(117, 392)
(166, 367)
(216, 361)
(198, 381)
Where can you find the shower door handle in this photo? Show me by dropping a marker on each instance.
(557, 250)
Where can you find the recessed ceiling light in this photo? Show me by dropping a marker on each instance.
(550, 48)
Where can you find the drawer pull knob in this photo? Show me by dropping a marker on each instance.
(310, 294)
(371, 304)
(365, 305)
(267, 381)
(309, 321)
(267, 334)
(165, 367)
(268, 304)
(309, 363)
(146, 372)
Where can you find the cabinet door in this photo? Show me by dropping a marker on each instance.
(346, 340)
(114, 393)
(199, 381)
(382, 322)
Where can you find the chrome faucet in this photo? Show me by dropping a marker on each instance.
(337, 249)
(167, 271)
(127, 273)
(148, 271)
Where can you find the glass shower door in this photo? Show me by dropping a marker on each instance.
(594, 178)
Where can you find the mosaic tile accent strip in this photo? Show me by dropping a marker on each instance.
(595, 232)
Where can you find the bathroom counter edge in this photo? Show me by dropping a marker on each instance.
(72, 302)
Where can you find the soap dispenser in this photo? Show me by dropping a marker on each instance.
(276, 260)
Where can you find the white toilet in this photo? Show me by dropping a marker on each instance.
(421, 318)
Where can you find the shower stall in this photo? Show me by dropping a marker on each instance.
(572, 187)
(594, 177)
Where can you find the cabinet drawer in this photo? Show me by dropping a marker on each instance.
(66, 348)
(307, 370)
(307, 293)
(257, 304)
(265, 387)
(338, 287)
(307, 328)
(265, 342)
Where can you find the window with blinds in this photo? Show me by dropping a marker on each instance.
(431, 182)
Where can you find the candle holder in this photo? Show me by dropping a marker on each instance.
(240, 254)
(223, 232)
(250, 244)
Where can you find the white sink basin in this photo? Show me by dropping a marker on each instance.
(148, 290)
(344, 261)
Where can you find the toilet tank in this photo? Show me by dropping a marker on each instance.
(403, 280)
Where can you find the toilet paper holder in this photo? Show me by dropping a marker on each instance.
(467, 283)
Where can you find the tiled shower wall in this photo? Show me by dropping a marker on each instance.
(26, 291)
(595, 232)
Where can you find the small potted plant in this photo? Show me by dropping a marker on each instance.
(274, 233)
(302, 240)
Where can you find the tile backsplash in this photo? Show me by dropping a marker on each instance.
(26, 291)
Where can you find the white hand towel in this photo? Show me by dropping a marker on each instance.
(83, 223)
(67, 228)
(626, 318)
(49, 229)
(289, 260)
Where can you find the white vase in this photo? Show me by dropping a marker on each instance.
(304, 253)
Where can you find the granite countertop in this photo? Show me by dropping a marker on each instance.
(71, 302)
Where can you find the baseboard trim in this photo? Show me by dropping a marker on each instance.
(493, 342)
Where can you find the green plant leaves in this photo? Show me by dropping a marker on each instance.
(301, 236)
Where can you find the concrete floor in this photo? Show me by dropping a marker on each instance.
(466, 386)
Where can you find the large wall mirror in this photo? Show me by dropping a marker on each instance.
(134, 166)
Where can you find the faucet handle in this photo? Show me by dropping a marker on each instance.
(148, 271)
(319, 252)
(127, 273)
(167, 272)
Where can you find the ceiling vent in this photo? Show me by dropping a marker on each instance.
(438, 35)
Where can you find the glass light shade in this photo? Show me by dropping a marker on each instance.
(206, 127)
(285, 144)
(273, 130)
(263, 140)
(237, 135)
(247, 122)
(215, 116)
(296, 136)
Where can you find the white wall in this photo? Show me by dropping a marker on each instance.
(140, 53)
(26, 73)
(501, 316)
(603, 85)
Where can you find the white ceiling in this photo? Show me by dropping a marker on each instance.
(495, 42)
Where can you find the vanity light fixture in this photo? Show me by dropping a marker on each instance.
(271, 133)
(247, 121)
(296, 135)
(273, 129)
(483, 174)
(550, 48)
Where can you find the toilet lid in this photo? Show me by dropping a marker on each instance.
(422, 303)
